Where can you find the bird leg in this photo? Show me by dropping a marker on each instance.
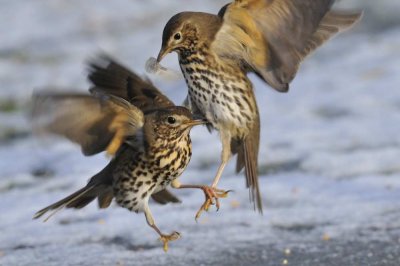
(163, 237)
(225, 156)
(211, 194)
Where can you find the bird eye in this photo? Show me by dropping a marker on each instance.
(177, 36)
(171, 120)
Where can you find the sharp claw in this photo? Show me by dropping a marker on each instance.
(198, 214)
(223, 194)
(202, 208)
(212, 198)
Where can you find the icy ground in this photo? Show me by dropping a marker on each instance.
(329, 160)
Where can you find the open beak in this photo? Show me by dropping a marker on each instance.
(163, 52)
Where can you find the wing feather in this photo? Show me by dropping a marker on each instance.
(272, 37)
(111, 77)
(97, 123)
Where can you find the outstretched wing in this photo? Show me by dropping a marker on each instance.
(272, 37)
(111, 77)
(97, 123)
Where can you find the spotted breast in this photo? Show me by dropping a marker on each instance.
(224, 96)
(142, 173)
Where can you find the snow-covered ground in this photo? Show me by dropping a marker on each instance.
(329, 160)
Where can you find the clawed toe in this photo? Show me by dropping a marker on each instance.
(166, 238)
(222, 193)
(212, 198)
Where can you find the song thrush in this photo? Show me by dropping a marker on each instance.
(133, 121)
(267, 37)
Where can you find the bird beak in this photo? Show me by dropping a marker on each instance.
(163, 52)
(196, 122)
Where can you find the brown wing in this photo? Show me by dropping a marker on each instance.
(97, 123)
(110, 77)
(273, 36)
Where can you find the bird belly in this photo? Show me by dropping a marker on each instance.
(133, 193)
(225, 103)
(133, 181)
(138, 178)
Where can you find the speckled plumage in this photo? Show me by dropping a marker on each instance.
(224, 96)
(216, 52)
(141, 171)
(129, 118)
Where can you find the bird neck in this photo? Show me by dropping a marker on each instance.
(165, 151)
(206, 63)
(194, 55)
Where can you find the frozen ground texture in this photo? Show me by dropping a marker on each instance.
(329, 157)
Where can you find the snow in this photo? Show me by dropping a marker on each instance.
(329, 154)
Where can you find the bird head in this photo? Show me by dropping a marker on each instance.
(186, 31)
(170, 123)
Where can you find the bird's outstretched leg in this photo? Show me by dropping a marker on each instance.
(225, 156)
(163, 237)
(212, 195)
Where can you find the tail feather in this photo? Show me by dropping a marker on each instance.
(247, 158)
(81, 202)
(164, 197)
(105, 198)
(252, 175)
(75, 200)
(100, 185)
(240, 158)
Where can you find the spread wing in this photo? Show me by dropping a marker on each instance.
(272, 37)
(96, 122)
(111, 77)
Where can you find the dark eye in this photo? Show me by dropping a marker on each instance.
(177, 36)
(171, 120)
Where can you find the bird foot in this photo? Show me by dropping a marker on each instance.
(212, 198)
(166, 238)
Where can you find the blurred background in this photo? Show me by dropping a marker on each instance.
(329, 155)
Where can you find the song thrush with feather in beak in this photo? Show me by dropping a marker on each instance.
(134, 122)
(216, 52)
